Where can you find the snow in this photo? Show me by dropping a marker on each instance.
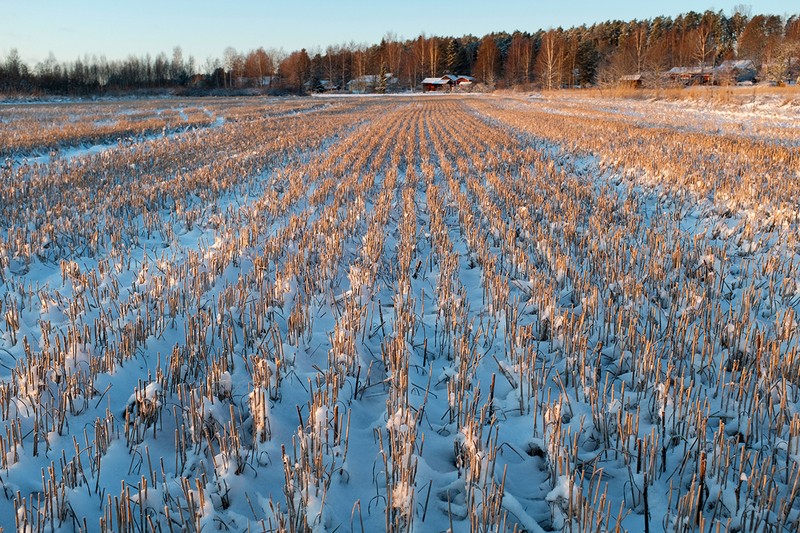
(242, 360)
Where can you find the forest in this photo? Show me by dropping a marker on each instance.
(581, 56)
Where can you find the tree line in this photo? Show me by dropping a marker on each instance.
(550, 59)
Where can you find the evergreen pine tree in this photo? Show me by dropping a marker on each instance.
(451, 57)
(467, 52)
(381, 88)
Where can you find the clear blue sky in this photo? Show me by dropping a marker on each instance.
(116, 28)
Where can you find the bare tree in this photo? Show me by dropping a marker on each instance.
(177, 69)
(295, 70)
(488, 61)
(432, 50)
(638, 42)
(519, 60)
(160, 69)
(330, 63)
(229, 63)
(418, 49)
(394, 53)
(359, 59)
(704, 40)
(257, 66)
(550, 59)
(211, 64)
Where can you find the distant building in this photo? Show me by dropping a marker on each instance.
(447, 82)
(320, 86)
(327, 85)
(370, 82)
(631, 81)
(735, 71)
(262, 81)
(436, 84)
(691, 75)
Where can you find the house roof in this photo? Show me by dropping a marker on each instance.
(450, 77)
(740, 64)
(366, 78)
(434, 81)
(688, 70)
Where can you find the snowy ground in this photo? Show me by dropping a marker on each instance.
(406, 313)
(717, 110)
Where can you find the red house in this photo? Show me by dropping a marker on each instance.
(435, 84)
(446, 82)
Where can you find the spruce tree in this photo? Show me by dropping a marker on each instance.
(381, 88)
(451, 57)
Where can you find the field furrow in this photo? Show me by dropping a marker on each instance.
(410, 313)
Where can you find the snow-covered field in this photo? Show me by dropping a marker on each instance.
(366, 314)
